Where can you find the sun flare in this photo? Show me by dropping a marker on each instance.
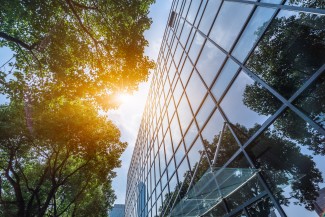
(124, 97)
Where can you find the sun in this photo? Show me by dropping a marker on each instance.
(124, 97)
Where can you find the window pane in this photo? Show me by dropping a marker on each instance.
(208, 16)
(179, 154)
(224, 78)
(227, 26)
(307, 3)
(196, 46)
(253, 31)
(190, 135)
(194, 153)
(213, 128)
(185, 33)
(186, 71)
(176, 132)
(178, 91)
(312, 101)
(205, 111)
(195, 91)
(244, 96)
(168, 146)
(209, 62)
(184, 114)
(263, 207)
(193, 10)
(290, 52)
(290, 154)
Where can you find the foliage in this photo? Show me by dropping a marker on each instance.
(57, 152)
(289, 53)
(88, 49)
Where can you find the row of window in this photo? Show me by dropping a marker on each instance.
(213, 74)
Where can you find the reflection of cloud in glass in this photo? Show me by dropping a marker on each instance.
(235, 109)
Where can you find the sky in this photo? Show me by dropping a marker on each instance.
(128, 116)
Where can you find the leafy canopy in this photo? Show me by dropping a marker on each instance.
(57, 153)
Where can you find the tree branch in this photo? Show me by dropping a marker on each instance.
(69, 2)
(18, 41)
(84, 6)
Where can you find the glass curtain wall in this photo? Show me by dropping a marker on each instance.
(238, 95)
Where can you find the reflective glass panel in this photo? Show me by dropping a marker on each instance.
(209, 62)
(190, 135)
(291, 50)
(208, 16)
(263, 207)
(185, 33)
(227, 26)
(176, 132)
(178, 91)
(193, 11)
(290, 154)
(224, 78)
(205, 111)
(307, 3)
(252, 32)
(195, 91)
(213, 127)
(312, 101)
(196, 46)
(186, 71)
(243, 107)
(184, 113)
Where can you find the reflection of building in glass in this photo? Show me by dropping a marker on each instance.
(234, 123)
(117, 211)
(320, 202)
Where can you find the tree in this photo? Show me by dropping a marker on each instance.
(57, 151)
(58, 162)
(89, 49)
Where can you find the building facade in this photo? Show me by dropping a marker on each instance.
(117, 211)
(234, 123)
(320, 203)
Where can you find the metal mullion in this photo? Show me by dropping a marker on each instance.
(250, 161)
(270, 89)
(247, 203)
(282, 7)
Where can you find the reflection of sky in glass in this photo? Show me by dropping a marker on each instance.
(190, 135)
(205, 111)
(185, 33)
(183, 168)
(227, 26)
(187, 69)
(196, 46)
(193, 10)
(208, 16)
(185, 114)
(176, 133)
(209, 62)
(213, 127)
(194, 153)
(223, 80)
(235, 109)
(195, 91)
(180, 152)
(252, 32)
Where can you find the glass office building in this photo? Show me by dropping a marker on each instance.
(234, 124)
